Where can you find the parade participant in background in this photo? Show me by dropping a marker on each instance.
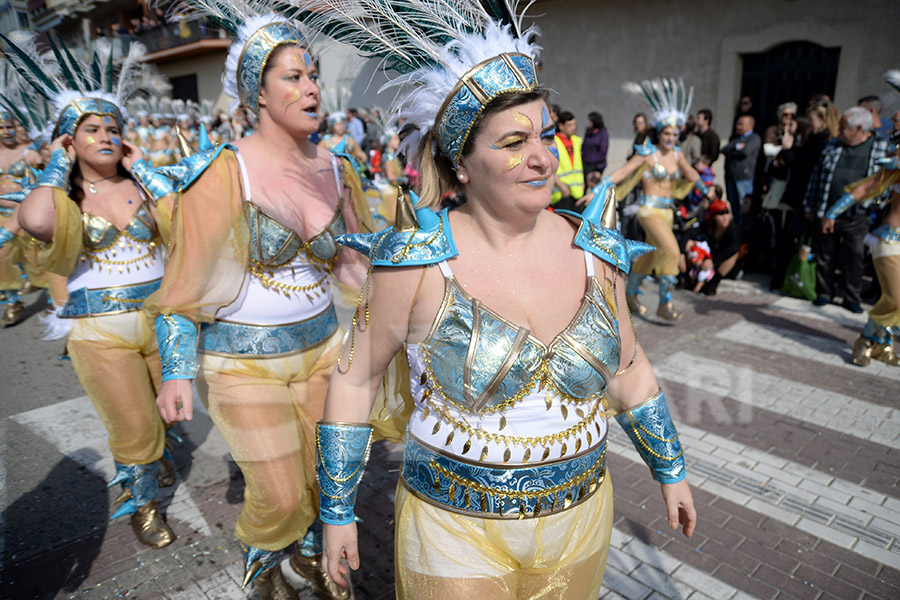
(665, 176)
(246, 305)
(876, 340)
(340, 142)
(98, 228)
(503, 492)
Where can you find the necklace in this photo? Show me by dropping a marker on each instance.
(91, 183)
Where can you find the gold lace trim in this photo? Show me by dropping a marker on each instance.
(264, 273)
(123, 266)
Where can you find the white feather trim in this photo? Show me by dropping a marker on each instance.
(247, 29)
(423, 91)
(892, 78)
(54, 326)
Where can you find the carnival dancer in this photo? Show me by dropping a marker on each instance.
(247, 295)
(20, 157)
(98, 228)
(665, 176)
(876, 339)
(340, 142)
(503, 490)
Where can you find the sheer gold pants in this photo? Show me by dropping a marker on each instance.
(267, 409)
(441, 554)
(115, 359)
(657, 224)
(886, 311)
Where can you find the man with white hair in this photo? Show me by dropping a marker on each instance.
(839, 243)
(873, 105)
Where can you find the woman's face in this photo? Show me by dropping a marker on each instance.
(8, 134)
(338, 128)
(667, 137)
(290, 94)
(393, 143)
(640, 124)
(513, 158)
(815, 121)
(723, 220)
(98, 141)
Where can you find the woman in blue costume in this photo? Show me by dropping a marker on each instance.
(339, 142)
(100, 230)
(664, 176)
(246, 304)
(519, 344)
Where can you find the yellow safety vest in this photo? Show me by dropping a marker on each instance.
(570, 174)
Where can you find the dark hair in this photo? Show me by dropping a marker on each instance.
(565, 116)
(872, 102)
(707, 114)
(436, 171)
(76, 193)
(597, 119)
(705, 158)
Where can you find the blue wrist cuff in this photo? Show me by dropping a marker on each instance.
(6, 236)
(155, 184)
(701, 187)
(842, 204)
(176, 337)
(342, 450)
(56, 174)
(653, 433)
(889, 163)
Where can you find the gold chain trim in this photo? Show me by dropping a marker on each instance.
(93, 258)
(473, 486)
(351, 475)
(108, 298)
(634, 427)
(514, 440)
(258, 270)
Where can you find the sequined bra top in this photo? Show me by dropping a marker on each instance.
(482, 363)
(658, 172)
(274, 245)
(100, 234)
(17, 169)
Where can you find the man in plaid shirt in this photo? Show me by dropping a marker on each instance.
(847, 158)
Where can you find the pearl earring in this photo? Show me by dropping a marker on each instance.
(462, 177)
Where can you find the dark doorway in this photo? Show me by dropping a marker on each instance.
(185, 87)
(791, 72)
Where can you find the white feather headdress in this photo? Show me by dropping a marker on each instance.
(668, 99)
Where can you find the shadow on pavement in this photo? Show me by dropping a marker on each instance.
(53, 533)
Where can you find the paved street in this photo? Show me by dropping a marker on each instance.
(793, 454)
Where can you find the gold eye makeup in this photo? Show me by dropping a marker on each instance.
(523, 120)
(509, 140)
(514, 161)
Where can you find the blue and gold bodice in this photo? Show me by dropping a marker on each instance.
(481, 362)
(17, 169)
(274, 245)
(100, 234)
(658, 172)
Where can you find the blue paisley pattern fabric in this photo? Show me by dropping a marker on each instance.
(77, 110)
(176, 337)
(576, 362)
(141, 483)
(653, 433)
(342, 450)
(85, 302)
(238, 339)
(497, 492)
(494, 77)
(887, 233)
(100, 233)
(275, 245)
(431, 243)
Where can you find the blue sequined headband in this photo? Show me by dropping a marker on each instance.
(255, 55)
(508, 72)
(76, 111)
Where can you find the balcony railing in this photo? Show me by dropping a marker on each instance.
(175, 34)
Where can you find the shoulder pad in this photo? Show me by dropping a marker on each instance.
(678, 149)
(16, 197)
(428, 241)
(606, 243)
(185, 172)
(645, 149)
(354, 162)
